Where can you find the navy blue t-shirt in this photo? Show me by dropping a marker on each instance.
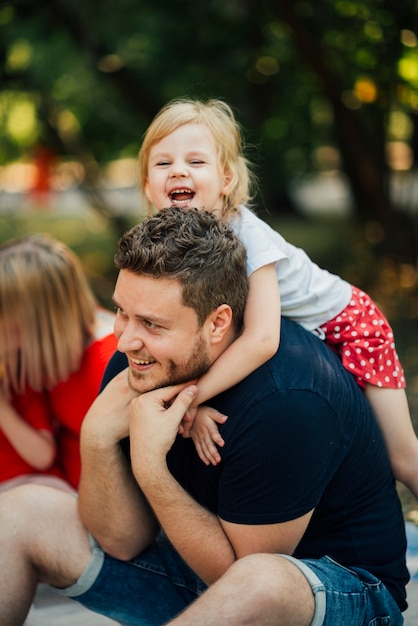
(300, 435)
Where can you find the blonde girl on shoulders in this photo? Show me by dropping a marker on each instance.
(192, 155)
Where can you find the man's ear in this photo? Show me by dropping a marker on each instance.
(220, 322)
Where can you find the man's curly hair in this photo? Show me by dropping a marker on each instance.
(196, 249)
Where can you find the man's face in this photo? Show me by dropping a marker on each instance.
(157, 332)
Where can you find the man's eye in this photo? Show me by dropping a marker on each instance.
(119, 311)
(150, 325)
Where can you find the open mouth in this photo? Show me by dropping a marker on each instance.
(142, 362)
(181, 196)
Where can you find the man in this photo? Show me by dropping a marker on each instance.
(299, 525)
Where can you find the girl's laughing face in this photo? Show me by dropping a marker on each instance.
(183, 171)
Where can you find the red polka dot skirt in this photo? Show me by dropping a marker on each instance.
(363, 338)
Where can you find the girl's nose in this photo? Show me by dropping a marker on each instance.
(178, 170)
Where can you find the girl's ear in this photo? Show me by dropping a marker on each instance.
(147, 190)
(228, 178)
(220, 322)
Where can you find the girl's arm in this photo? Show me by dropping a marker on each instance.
(36, 447)
(258, 342)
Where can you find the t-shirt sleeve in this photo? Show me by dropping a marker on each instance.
(117, 363)
(260, 241)
(301, 443)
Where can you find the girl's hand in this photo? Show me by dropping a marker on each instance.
(187, 423)
(205, 434)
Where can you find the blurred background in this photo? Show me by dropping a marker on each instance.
(326, 92)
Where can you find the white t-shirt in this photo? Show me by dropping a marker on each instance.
(309, 294)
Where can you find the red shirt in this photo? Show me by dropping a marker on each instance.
(33, 408)
(60, 411)
(69, 402)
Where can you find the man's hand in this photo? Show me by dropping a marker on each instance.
(106, 422)
(154, 421)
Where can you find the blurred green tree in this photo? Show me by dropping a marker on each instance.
(316, 85)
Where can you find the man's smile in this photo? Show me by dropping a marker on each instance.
(141, 362)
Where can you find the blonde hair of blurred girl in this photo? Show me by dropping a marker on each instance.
(47, 313)
(218, 118)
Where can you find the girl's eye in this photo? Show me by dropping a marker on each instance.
(196, 162)
(162, 163)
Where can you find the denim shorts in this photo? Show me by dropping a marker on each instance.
(157, 585)
(148, 590)
(345, 596)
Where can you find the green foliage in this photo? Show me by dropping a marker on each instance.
(90, 235)
(301, 75)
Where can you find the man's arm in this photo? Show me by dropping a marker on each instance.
(111, 504)
(207, 544)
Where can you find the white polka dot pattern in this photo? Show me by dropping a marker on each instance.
(364, 340)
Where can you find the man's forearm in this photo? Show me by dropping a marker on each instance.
(111, 504)
(195, 532)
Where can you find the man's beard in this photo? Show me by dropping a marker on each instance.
(197, 365)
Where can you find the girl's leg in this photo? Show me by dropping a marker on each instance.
(390, 407)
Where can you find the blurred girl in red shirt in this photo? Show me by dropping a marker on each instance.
(54, 345)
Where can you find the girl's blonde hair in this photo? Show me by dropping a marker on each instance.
(219, 119)
(47, 313)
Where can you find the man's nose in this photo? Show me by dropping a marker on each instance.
(130, 340)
